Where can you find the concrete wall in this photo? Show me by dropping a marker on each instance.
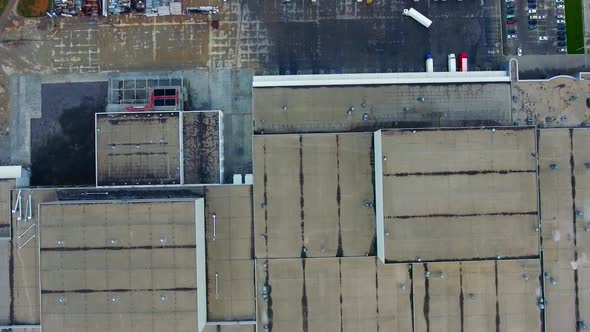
(379, 228)
(201, 264)
(546, 66)
(380, 79)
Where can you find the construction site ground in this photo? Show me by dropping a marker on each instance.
(270, 37)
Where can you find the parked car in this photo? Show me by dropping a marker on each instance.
(510, 16)
(511, 31)
(560, 33)
(542, 17)
(561, 44)
(560, 21)
(559, 6)
(519, 51)
(511, 21)
(558, 1)
(532, 5)
(560, 27)
(510, 11)
(532, 22)
(532, 11)
(561, 38)
(532, 27)
(533, 17)
(559, 16)
(512, 36)
(561, 50)
(543, 38)
(509, 5)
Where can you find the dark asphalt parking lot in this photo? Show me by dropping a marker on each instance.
(62, 140)
(528, 40)
(345, 36)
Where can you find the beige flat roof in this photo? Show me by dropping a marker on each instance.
(477, 296)
(5, 205)
(363, 294)
(310, 193)
(434, 218)
(566, 242)
(332, 294)
(458, 194)
(138, 148)
(25, 263)
(343, 108)
(5, 276)
(230, 253)
(118, 266)
(551, 103)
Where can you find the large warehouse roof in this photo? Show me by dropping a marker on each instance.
(368, 108)
(449, 194)
(118, 265)
(311, 194)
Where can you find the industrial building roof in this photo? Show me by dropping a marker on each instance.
(368, 108)
(121, 226)
(309, 222)
(230, 254)
(138, 148)
(449, 194)
(313, 195)
(5, 186)
(202, 146)
(362, 294)
(564, 181)
(122, 266)
(559, 102)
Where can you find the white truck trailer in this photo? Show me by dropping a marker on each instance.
(429, 63)
(413, 13)
(452, 63)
